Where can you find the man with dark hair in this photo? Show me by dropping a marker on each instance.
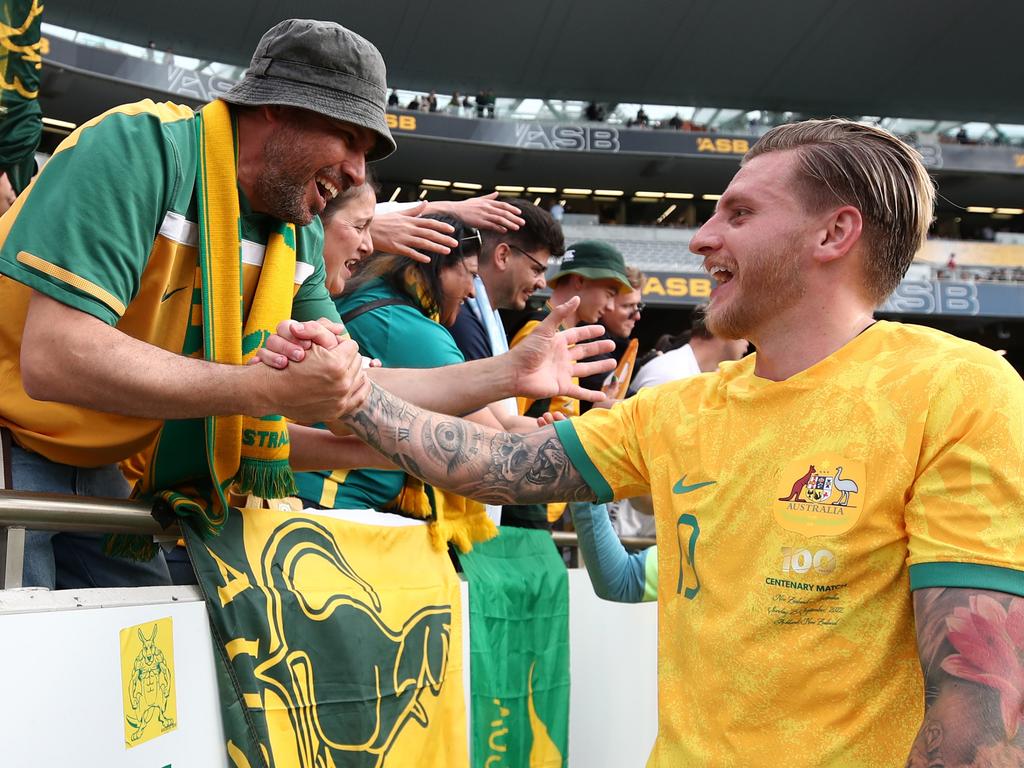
(839, 514)
(512, 267)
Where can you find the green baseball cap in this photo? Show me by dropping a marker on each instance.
(594, 259)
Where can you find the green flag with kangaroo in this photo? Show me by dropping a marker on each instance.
(337, 643)
(519, 651)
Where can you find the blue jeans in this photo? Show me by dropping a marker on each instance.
(76, 560)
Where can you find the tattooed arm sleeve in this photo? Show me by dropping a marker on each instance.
(971, 644)
(466, 458)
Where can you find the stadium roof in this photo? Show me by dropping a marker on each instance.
(910, 58)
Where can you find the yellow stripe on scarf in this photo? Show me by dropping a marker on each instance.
(248, 451)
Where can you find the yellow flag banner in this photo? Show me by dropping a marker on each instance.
(337, 643)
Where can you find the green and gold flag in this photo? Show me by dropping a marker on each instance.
(519, 650)
(21, 59)
(337, 643)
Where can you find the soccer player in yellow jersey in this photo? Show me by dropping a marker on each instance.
(835, 513)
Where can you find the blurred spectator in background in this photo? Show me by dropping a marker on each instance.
(619, 323)
(557, 211)
(393, 98)
(676, 122)
(961, 136)
(432, 101)
(688, 354)
(594, 112)
(642, 120)
(455, 105)
(414, 104)
(595, 271)
(512, 267)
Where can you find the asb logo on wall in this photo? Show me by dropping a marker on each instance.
(147, 681)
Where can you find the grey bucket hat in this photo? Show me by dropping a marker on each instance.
(322, 67)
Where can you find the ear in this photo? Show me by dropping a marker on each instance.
(840, 232)
(501, 256)
(155, 628)
(142, 637)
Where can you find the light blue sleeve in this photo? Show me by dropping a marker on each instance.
(616, 574)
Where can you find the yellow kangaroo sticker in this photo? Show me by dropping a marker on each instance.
(147, 680)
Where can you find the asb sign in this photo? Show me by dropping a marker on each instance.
(673, 288)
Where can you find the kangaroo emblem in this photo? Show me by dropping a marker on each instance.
(150, 687)
(799, 485)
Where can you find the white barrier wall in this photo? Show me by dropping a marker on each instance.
(61, 688)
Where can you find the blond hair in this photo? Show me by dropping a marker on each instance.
(636, 278)
(846, 163)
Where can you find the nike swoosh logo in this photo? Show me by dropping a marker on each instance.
(171, 293)
(681, 487)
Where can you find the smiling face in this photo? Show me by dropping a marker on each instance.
(755, 247)
(597, 297)
(456, 286)
(307, 160)
(347, 239)
(622, 318)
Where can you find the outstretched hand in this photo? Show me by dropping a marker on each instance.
(484, 212)
(547, 362)
(404, 233)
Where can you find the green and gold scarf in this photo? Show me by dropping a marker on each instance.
(244, 454)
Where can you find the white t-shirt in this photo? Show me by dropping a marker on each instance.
(675, 364)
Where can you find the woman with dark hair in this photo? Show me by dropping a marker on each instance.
(398, 311)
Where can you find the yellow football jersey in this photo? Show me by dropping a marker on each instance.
(793, 520)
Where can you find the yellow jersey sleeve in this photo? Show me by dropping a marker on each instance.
(604, 445)
(965, 514)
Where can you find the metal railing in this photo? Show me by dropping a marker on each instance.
(73, 514)
(79, 514)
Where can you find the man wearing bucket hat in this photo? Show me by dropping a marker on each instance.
(594, 271)
(185, 238)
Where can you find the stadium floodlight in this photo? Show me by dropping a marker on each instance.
(636, 199)
(467, 185)
(609, 192)
(1010, 211)
(667, 212)
(508, 188)
(423, 194)
(576, 191)
(650, 195)
(542, 190)
(980, 209)
(710, 197)
(536, 201)
(394, 195)
(679, 195)
(434, 183)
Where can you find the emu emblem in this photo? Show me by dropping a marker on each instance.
(147, 678)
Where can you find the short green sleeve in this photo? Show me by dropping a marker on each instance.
(312, 300)
(83, 234)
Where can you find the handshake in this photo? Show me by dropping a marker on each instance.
(313, 373)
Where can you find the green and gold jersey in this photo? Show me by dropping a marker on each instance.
(108, 228)
(793, 520)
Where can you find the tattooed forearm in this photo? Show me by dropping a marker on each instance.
(466, 458)
(971, 644)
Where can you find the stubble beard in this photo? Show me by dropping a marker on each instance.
(772, 283)
(281, 183)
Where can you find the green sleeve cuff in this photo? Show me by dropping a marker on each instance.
(967, 576)
(650, 556)
(566, 432)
